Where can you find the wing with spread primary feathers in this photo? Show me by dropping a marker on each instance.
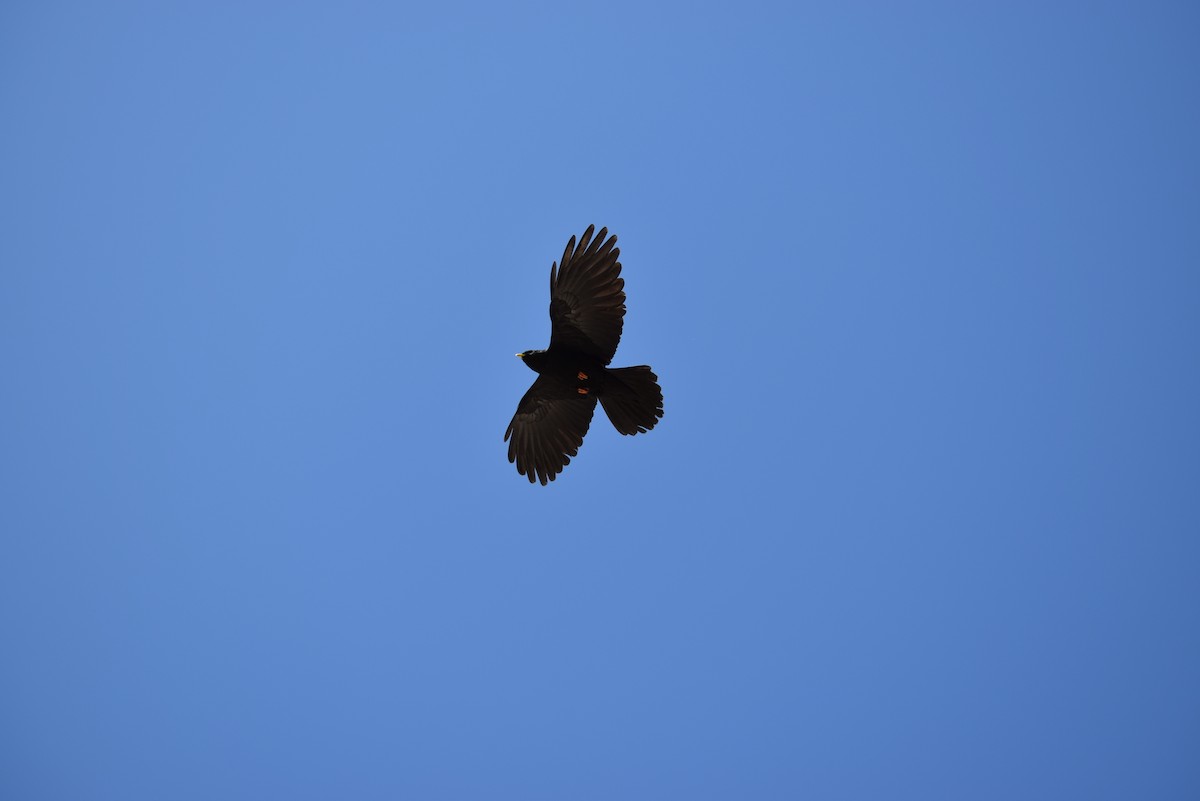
(587, 297)
(547, 430)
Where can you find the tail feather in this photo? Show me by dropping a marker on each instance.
(632, 399)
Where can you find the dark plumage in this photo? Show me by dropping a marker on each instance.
(587, 310)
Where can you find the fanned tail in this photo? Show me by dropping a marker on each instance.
(632, 399)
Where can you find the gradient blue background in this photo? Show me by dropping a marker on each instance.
(922, 286)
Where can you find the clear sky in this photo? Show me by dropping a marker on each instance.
(921, 283)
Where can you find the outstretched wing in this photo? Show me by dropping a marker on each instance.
(547, 430)
(587, 297)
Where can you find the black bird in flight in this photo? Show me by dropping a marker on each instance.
(587, 310)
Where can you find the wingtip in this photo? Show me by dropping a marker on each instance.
(586, 239)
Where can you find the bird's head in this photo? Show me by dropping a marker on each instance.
(532, 358)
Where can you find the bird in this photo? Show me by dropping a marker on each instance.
(587, 311)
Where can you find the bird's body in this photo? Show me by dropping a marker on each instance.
(587, 307)
(578, 370)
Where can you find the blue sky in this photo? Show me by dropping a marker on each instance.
(921, 284)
